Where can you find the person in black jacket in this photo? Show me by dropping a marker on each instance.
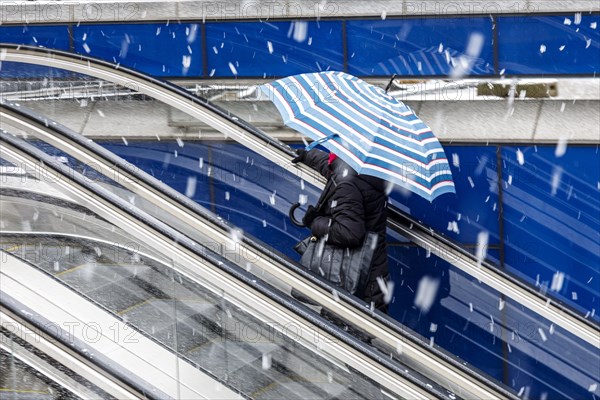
(356, 206)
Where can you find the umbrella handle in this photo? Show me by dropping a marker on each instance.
(293, 219)
(389, 85)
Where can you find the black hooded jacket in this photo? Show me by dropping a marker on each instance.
(357, 205)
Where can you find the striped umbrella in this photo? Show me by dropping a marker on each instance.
(372, 131)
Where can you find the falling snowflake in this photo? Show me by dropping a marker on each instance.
(426, 293)
(557, 281)
(266, 361)
(561, 147)
(520, 157)
(192, 33)
(300, 31)
(556, 178)
(482, 244)
(387, 288)
(233, 69)
(236, 235)
(190, 188)
(455, 160)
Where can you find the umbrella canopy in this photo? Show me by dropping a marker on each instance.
(372, 131)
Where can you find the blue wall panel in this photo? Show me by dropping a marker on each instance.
(449, 322)
(568, 44)
(51, 36)
(549, 44)
(545, 361)
(422, 46)
(272, 49)
(169, 163)
(552, 221)
(474, 207)
(165, 49)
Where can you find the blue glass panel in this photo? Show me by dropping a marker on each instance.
(565, 44)
(179, 167)
(257, 195)
(474, 207)
(421, 46)
(552, 221)
(451, 309)
(271, 49)
(165, 49)
(546, 362)
(51, 36)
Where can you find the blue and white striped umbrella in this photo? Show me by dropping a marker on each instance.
(372, 131)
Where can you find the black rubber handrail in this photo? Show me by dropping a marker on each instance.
(229, 268)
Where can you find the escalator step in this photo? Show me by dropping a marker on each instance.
(119, 296)
(90, 276)
(157, 317)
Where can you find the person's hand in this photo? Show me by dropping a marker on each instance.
(300, 155)
(309, 217)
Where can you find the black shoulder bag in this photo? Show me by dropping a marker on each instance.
(348, 268)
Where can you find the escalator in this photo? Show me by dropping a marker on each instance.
(183, 323)
(406, 346)
(385, 329)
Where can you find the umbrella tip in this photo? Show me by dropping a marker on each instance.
(389, 85)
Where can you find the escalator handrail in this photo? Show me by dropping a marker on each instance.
(165, 85)
(397, 216)
(195, 209)
(228, 268)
